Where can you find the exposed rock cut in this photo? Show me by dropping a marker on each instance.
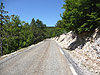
(85, 50)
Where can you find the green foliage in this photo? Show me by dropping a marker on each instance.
(81, 15)
(50, 32)
(19, 34)
(3, 19)
(16, 34)
(60, 29)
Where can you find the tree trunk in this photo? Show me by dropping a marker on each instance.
(1, 39)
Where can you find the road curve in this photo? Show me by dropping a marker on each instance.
(42, 59)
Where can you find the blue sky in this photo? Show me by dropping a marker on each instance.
(48, 11)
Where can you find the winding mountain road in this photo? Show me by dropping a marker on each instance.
(42, 59)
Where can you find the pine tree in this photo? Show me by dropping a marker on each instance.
(2, 18)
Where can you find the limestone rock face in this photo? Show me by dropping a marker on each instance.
(66, 39)
(88, 48)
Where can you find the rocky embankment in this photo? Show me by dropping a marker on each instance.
(84, 50)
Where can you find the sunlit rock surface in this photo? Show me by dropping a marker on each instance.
(85, 51)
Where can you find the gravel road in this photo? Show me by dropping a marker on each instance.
(42, 59)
